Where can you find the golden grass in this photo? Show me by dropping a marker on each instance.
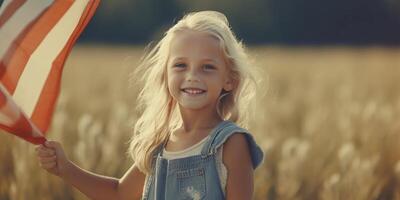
(329, 124)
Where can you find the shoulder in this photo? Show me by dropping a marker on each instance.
(236, 146)
(238, 141)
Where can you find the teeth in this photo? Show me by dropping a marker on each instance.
(193, 91)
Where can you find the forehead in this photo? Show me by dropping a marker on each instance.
(193, 44)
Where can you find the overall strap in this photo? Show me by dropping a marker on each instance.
(207, 147)
(223, 132)
(158, 150)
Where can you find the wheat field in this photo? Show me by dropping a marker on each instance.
(328, 121)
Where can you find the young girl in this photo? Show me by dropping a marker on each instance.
(189, 142)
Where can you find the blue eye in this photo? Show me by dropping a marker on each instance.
(180, 65)
(209, 67)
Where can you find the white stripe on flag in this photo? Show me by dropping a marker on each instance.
(9, 112)
(17, 22)
(34, 76)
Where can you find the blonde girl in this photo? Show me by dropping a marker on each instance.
(190, 141)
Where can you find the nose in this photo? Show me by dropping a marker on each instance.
(192, 75)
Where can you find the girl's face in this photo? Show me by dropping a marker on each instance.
(196, 70)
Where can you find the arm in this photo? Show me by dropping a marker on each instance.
(94, 186)
(53, 159)
(131, 184)
(240, 183)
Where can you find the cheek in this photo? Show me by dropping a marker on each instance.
(170, 78)
(173, 83)
(216, 82)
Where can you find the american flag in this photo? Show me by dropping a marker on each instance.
(36, 37)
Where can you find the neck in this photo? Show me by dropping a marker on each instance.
(194, 120)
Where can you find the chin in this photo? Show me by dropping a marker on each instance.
(192, 106)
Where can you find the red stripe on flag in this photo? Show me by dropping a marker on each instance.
(9, 75)
(17, 122)
(27, 43)
(3, 100)
(23, 129)
(10, 10)
(45, 106)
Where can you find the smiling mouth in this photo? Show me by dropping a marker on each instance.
(193, 91)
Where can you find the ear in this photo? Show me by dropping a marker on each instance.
(228, 85)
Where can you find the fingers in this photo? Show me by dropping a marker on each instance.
(53, 144)
(43, 151)
(51, 156)
(49, 165)
(48, 159)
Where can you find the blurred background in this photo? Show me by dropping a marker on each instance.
(329, 109)
(257, 22)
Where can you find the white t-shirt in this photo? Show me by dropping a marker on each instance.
(196, 150)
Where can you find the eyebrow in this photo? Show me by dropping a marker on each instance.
(205, 59)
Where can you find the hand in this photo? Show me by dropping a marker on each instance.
(52, 158)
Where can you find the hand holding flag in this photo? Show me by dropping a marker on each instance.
(52, 158)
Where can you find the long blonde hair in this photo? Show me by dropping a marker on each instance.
(160, 111)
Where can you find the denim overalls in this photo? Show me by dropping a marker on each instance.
(195, 177)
